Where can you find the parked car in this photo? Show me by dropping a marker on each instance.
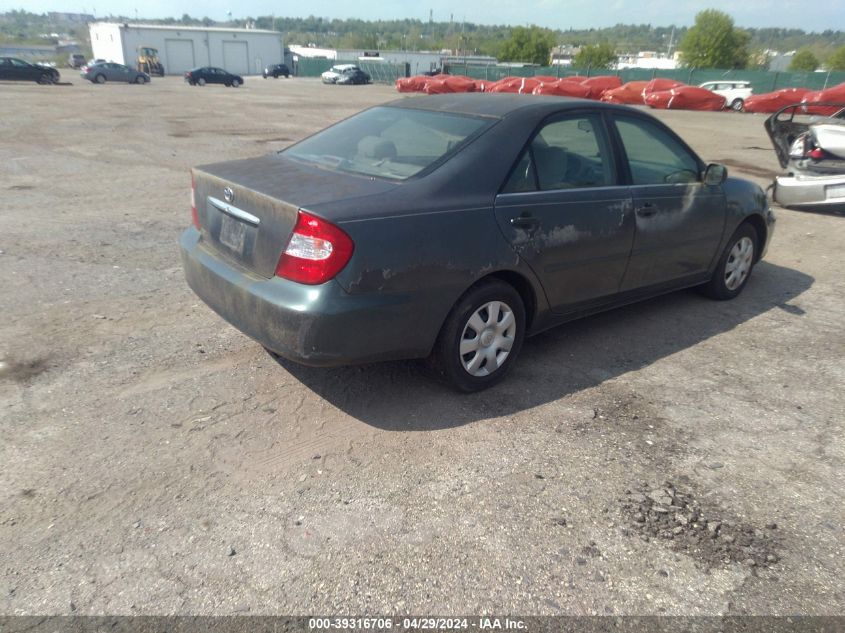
(333, 74)
(14, 69)
(734, 92)
(354, 76)
(75, 60)
(811, 149)
(111, 71)
(212, 75)
(451, 226)
(276, 71)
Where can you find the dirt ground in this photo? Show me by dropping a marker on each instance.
(680, 456)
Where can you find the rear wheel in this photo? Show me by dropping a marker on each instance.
(481, 338)
(100, 79)
(200, 81)
(735, 265)
(737, 104)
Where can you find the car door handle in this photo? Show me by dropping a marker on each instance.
(646, 210)
(525, 222)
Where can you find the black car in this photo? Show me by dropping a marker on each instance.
(353, 76)
(212, 75)
(279, 70)
(452, 226)
(14, 69)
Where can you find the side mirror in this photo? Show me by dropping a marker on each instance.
(715, 174)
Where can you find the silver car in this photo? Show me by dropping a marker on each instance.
(809, 140)
(111, 71)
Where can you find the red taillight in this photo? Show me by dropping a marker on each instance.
(316, 252)
(194, 215)
(817, 154)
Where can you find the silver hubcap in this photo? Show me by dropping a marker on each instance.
(739, 263)
(487, 338)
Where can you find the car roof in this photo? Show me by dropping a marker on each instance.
(498, 105)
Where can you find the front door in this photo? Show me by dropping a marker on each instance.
(679, 219)
(566, 215)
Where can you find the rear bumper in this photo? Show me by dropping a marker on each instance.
(809, 191)
(313, 325)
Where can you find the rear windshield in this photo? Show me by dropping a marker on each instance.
(394, 143)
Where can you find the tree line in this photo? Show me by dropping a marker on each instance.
(713, 41)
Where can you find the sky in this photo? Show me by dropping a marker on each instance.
(557, 14)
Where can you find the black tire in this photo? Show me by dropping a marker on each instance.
(100, 79)
(734, 259)
(235, 83)
(200, 82)
(737, 105)
(446, 359)
(45, 80)
(140, 79)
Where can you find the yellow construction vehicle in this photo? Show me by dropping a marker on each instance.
(148, 61)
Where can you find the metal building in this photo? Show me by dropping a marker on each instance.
(180, 48)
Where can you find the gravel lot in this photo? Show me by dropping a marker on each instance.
(680, 456)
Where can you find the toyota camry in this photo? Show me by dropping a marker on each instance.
(450, 227)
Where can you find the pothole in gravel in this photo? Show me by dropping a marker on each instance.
(675, 517)
(22, 371)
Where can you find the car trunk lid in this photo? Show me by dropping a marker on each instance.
(248, 208)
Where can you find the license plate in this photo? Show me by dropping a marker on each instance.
(233, 233)
(834, 192)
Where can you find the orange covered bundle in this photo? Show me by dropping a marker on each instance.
(562, 88)
(598, 85)
(836, 94)
(517, 85)
(774, 101)
(686, 98)
(412, 84)
(631, 93)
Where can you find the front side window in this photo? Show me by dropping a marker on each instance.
(568, 153)
(387, 142)
(654, 155)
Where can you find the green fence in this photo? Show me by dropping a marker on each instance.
(381, 72)
(761, 80)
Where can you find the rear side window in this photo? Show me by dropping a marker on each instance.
(568, 153)
(654, 155)
(394, 143)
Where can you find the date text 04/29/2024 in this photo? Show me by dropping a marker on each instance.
(415, 623)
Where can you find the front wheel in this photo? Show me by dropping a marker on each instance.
(735, 265)
(737, 105)
(481, 338)
(140, 79)
(235, 83)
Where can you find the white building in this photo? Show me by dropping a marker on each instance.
(180, 48)
(648, 60)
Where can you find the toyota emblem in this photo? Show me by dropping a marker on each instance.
(228, 194)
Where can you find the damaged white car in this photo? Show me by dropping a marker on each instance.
(811, 148)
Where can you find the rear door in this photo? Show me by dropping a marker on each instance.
(679, 219)
(116, 72)
(566, 214)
